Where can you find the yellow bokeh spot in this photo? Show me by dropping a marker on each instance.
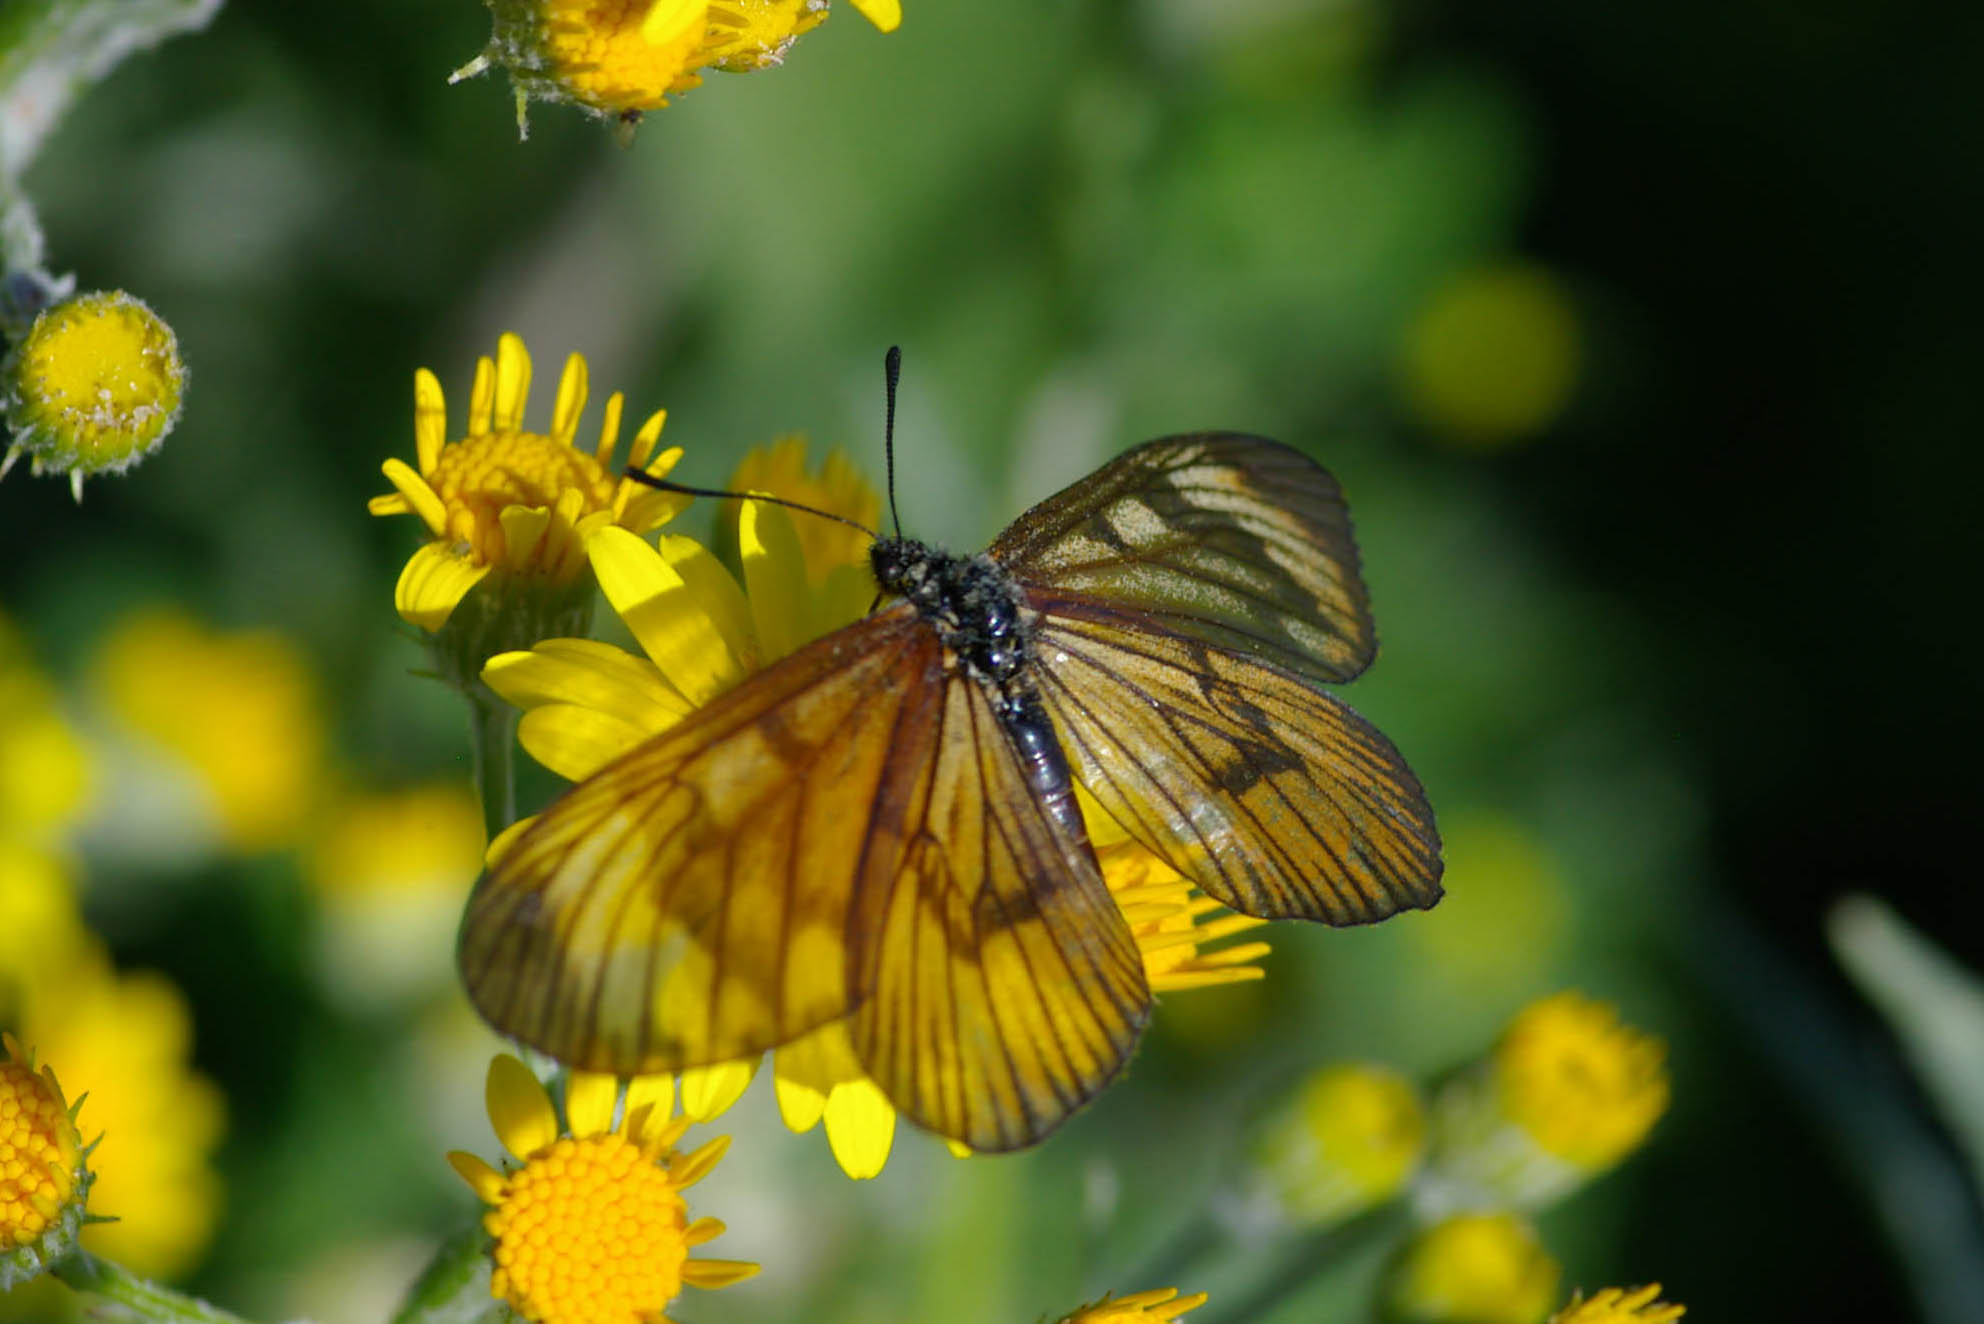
(1348, 1139)
(240, 709)
(94, 386)
(1474, 1269)
(1492, 356)
(44, 768)
(422, 839)
(40, 1151)
(1584, 1085)
(589, 1232)
(1506, 910)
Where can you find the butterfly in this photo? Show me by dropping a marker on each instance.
(882, 828)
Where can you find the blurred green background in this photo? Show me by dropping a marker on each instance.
(1638, 336)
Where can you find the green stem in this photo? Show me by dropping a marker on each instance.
(147, 1299)
(492, 738)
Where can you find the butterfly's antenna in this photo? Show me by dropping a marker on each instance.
(666, 485)
(891, 371)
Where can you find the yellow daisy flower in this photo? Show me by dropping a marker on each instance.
(125, 1041)
(1163, 1303)
(621, 58)
(44, 1181)
(1619, 1305)
(1568, 1091)
(513, 508)
(1349, 1138)
(590, 1226)
(1473, 1269)
(586, 703)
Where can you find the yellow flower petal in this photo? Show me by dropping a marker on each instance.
(670, 18)
(419, 497)
(512, 382)
(704, 1230)
(775, 577)
(861, 1126)
(434, 581)
(571, 401)
(884, 14)
(799, 1104)
(485, 1181)
(519, 1109)
(712, 1274)
(609, 428)
(576, 742)
(430, 419)
(590, 674)
(589, 1099)
(502, 841)
(708, 1092)
(524, 528)
(482, 397)
(681, 604)
(656, 1093)
(688, 1169)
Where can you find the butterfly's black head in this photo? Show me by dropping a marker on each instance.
(908, 569)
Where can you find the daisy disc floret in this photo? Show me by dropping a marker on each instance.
(508, 511)
(43, 1177)
(93, 387)
(590, 1225)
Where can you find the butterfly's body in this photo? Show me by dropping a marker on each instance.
(880, 830)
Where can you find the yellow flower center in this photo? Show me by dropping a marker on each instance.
(590, 1231)
(1586, 1087)
(38, 1154)
(596, 51)
(479, 476)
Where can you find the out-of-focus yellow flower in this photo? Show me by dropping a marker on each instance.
(1162, 1303)
(125, 1041)
(592, 1226)
(92, 388)
(1508, 913)
(587, 703)
(44, 768)
(1347, 1139)
(1492, 357)
(1473, 1269)
(41, 933)
(1568, 1091)
(391, 869)
(1617, 1305)
(44, 1182)
(621, 58)
(238, 710)
(510, 510)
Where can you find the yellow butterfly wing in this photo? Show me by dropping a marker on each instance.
(1275, 798)
(1236, 541)
(1001, 987)
(688, 903)
(1186, 599)
(849, 831)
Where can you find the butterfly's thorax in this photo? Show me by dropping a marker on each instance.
(977, 610)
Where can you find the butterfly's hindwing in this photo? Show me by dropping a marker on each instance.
(1001, 988)
(1238, 541)
(1275, 798)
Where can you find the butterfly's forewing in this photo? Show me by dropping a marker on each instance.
(1186, 597)
(848, 831)
(1236, 541)
(1002, 987)
(688, 903)
(1275, 798)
